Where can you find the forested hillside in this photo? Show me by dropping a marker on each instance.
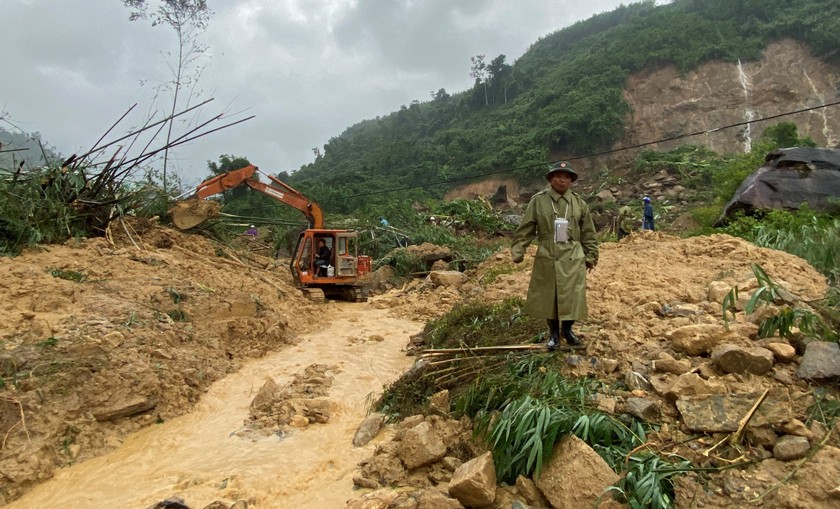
(563, 96)
(16, 147)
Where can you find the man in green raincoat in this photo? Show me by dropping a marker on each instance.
(567, 249)
(625, 222)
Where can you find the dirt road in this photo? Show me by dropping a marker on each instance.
(201, 457)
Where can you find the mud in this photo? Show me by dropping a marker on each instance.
(111, 345)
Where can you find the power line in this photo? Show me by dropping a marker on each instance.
(596, 154)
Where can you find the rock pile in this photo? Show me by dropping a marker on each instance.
(657, 333)
(424, 460)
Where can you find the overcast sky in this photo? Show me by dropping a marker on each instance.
(307, 69)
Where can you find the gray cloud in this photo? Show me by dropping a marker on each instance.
(307, 69)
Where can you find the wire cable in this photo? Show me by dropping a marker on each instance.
(595, 154)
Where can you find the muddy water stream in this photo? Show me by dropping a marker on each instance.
(199, 457)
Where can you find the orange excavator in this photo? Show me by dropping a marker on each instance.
(319, 273)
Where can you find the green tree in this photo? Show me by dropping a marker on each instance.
(786, 134)
(229, 163)
(479, 72)
(499, 74)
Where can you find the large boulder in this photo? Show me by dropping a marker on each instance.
(722, 413)
(474, 483)
(575, 476)
(821, 362)
(421, 445)
(789, 178)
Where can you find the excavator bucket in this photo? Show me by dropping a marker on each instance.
(188, 213)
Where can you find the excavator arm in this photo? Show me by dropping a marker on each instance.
(276, 189)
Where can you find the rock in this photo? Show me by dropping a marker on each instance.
(368, 429)
(529, 492)
(430, 253)
(218, 504)
(420, 446)
(797, 428)
(790, 448)
(265, 396)
(661, 383)
(608, 365)
(605, 196)
(821, 362)
(380, 499)
(410, 422)
(762, 437)
(73, 450)
(818, 430)
(667, 364)
(744, 330)
(691, 384)
(575, 476)
(298, 421)
(451, 463)
(736, 359)
(430, 498)
(783, 352)
(439, 403)
(160, 354)
(130, 406)
(440, 265)
(383, 467)
(761, 313)
(448, 278)
(697, 339)
(364, 482)
(679, 309)
(643, 408)
(605, 403)
(717, 413)
(170, 503)
(474, 483)
(717, 290)
(635, 380)
(507, 498)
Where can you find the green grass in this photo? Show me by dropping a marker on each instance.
(480, 324)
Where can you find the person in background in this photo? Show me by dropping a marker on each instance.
(624, 224)
(252, 231)
(647, 217)
(322, 258)
(567, 249)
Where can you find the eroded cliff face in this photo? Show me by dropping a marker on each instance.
(665, 104)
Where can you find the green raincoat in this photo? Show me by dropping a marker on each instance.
(559, 273)
(626, 219)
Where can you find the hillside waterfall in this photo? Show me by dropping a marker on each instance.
(748, 111)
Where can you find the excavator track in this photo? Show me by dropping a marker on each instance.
(346, 293)
(355, 294)
(314, 294)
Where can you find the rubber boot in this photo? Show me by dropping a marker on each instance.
(553, 334)
(570, 336)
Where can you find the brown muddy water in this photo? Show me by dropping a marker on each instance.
(199, 457)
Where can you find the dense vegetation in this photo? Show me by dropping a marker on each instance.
(562, 96)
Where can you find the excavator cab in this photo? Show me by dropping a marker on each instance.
(338, 277)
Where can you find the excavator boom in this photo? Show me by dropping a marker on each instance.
(190, 213)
